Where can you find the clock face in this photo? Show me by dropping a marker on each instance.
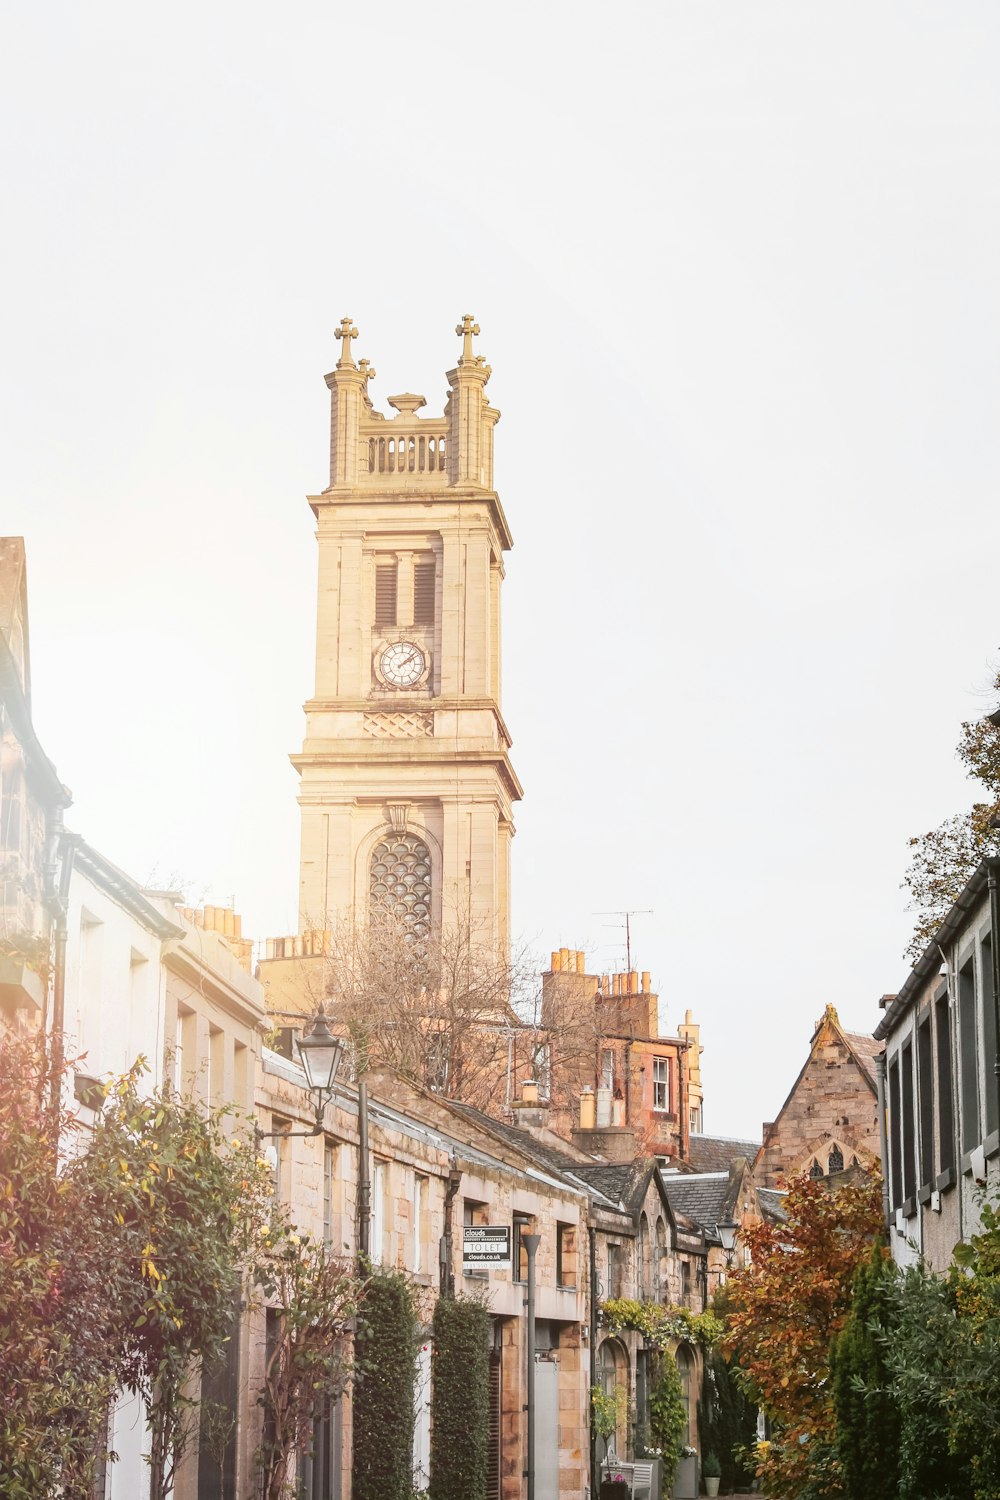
(402, 664)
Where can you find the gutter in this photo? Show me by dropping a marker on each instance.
(993, 882)
(124, 891)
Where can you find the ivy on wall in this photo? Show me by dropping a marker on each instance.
(667, 1413)
(386, 1369)
(660, 1325)
(460, 1400)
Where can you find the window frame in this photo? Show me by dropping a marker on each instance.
(661, 1083)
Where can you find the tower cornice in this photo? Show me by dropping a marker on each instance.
(388, 499)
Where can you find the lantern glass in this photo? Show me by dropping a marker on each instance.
(726, 1229)
(320, 1052)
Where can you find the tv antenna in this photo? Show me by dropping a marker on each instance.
(627, 924)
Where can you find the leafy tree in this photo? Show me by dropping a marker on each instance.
(460, 1400)
(943, 1363)
(868, 1425)
(316, 1296)
(923, 1358)
(382, 1408)
(784, 1309)
(944, 858)
(60, 1280)
(191, 1203)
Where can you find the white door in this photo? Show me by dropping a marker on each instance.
(546, 1429)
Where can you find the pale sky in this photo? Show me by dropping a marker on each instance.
(736, 271)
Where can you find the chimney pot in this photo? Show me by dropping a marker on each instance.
(581, 964)
(564, 958)
(645, 982)
(529, 1091)
(555, 962)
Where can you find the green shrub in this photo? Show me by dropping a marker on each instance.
(667, 1412)
(460, 1400)
(386, 1368)
(868, 1424)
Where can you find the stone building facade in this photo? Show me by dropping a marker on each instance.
(616, 1087)
(942, 1093)
(432, 1171)
(829, 1121)
(32, 800)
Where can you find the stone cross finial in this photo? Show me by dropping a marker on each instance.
(346, 332)
(364, 366)
(467, 330)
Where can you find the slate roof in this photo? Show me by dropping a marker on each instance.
(610, 1179)
(716, 1153)
(772, 1203)
(551, 1157)
(700, 1196)
(865, 1049)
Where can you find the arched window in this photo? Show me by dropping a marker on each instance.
(613, 1374)
(643, 1256)
(659, 1261)
(400, 884)
(836, 1162)
(815, 1170)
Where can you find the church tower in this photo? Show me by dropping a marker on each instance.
(406, 782)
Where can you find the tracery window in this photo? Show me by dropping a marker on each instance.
(836, 1163)
(400, 885)
(815, 1170)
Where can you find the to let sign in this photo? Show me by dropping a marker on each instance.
(486, 1245)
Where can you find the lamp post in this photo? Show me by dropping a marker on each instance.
(727, 1230)
(320, 1053)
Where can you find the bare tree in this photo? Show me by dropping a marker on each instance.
(449, 1012)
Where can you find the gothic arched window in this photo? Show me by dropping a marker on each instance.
(643, 1256)
(400, 884)
(836, 1162)
(815, 1170)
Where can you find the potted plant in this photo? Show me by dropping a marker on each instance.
(711, 1472)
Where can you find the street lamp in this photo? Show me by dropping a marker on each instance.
(320, 1052)
(727, 1230)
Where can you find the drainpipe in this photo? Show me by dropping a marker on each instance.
(993, 883)
(882, 1136)
(364, 1178)
(66, 845)
(595, 1472)
(446, 1267)
(531, 1243)
(682, 1074)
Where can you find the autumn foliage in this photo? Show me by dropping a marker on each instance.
(785, 1308)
